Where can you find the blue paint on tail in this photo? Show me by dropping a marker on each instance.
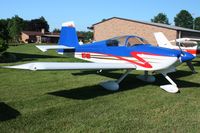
(68, 37)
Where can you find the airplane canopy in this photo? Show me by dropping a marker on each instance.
(128, 41)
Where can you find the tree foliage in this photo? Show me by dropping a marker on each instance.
(160, 18)
(10, 29)
(197, 23)
(184, 19)
(4, 34)
(56, 30)
(36, 24)
(3, 45)
(87, 35)
(15, 26)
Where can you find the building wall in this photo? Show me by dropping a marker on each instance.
(24, 37)
(118, 27)
(190, 34)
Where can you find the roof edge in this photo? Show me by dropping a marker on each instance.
(149, 23)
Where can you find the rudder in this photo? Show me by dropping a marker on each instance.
(68, 36)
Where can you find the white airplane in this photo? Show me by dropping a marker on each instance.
(189, 45)
(125, 52)
(187, 42)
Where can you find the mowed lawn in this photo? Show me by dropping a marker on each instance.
(73, 101)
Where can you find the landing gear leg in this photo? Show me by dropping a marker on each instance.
(171, 88)
(114, 85)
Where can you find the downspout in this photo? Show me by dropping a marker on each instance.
(179, 36)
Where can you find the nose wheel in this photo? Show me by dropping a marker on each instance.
(171, 88)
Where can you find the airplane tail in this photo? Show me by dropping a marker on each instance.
(162, 40)
(68, 36)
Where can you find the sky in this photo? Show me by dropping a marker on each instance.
(84, 13)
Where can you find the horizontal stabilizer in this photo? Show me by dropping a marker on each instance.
(44, 48)
(71, 66)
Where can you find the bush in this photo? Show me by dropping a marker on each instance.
(7, 57)
(3, 46)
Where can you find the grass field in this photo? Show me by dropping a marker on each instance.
(72, 101)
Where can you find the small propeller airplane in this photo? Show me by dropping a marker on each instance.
(192, 46)
(189, 45)
(124, 52)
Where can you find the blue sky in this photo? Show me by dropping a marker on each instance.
(87, 12)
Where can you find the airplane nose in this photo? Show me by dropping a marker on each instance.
(185, 56)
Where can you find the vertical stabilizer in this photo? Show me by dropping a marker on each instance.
(68, 35)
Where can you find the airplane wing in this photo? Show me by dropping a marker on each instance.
(186, 40)
(44, 48)
(71, 66)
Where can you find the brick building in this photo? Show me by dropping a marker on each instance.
(42, 37)
(39, 37)
(116, 26)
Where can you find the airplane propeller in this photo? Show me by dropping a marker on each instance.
(188, 62)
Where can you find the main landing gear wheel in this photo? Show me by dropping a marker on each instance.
(114, 85)
(146, 77)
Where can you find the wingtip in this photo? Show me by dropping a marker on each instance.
(41, 48)
(28, 66)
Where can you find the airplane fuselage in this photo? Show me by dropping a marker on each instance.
(144, 56)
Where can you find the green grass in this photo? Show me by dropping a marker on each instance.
(72, 101)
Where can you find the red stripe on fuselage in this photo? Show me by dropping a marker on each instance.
(142, 63)
(191, 51)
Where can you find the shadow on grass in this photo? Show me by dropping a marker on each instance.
(89, 92)
(180, 83)
(180, 73)
(83, 93)
(129, 83)
(14, 57)
(111, 74)
(7, 112)
(196, 63)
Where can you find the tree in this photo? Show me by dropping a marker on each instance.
(36, 24)
(184, 19)
(15, 26)
(197, 23)
(27, 25)
(39, 24)
(160, 18)
(3, 45)
(56, 30)
(86, 35)
(4, 30)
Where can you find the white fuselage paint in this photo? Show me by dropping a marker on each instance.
(156, 62)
